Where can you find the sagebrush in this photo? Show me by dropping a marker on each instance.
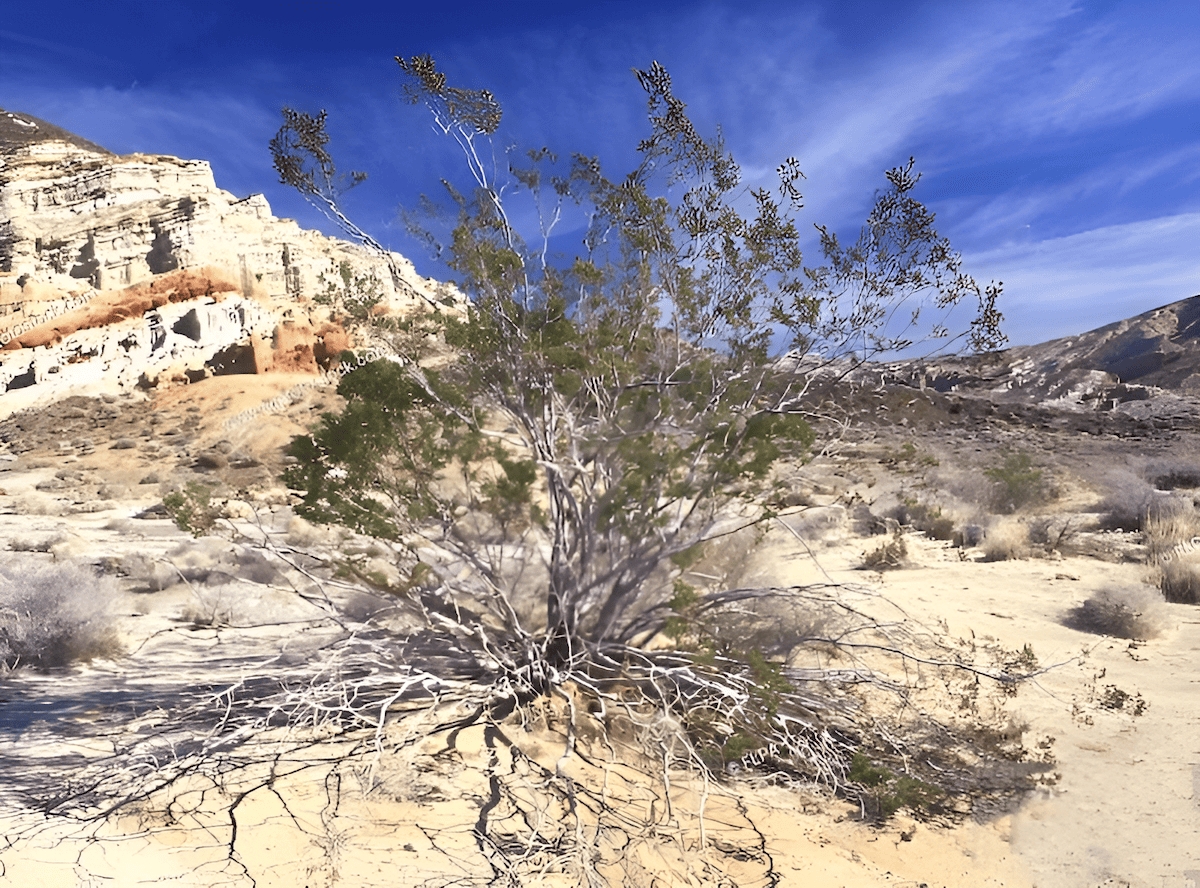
(52, 614)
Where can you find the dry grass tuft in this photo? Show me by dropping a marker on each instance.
(1007, 540)
(1136, 613)
(1179, 580)
(1169, 524)
(890, 555)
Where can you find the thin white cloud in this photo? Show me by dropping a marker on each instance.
(1116, 69)
(1022, 210)
(1072, 284)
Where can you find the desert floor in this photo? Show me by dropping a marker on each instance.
(1120, 805)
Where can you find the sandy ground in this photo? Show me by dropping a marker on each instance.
(1124, 809)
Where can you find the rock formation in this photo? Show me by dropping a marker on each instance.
(1146, 366)
(123, 267)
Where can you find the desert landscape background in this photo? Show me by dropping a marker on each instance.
(1026, 507)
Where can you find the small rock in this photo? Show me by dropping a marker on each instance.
(124, 444)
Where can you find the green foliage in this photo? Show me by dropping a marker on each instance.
(925, 518)
(908, 457)
(354, 296)
(191, 508)
(614, 405)
(378, 460)
(889, 792)
(1018, 482)
(864, 772)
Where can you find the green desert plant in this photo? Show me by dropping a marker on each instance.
(1017, 482)
(52, 614)
(191, 508)
(552, 450)
(355, 297)
(885, 792)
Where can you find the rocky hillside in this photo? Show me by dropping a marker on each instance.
(1145, 366)
(117, 269)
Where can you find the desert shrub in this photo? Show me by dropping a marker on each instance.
(907, 458)
(38, 504)
(1168, 525)
(1124, 503)
(192, 508)
(305, 535)
(53, 614)
(1179, 580)
(926, 518)
(155, 574)
(888, 556)
(1136, 613)
(34, 544)
(215, 561)
(1171, 475)
(884, 793)
(1016, 483)
(1006, 541)
(1115, 698)
(1052, 533)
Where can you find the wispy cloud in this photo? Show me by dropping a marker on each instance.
(1046, 128)
(1126, 65)
(1067, 285)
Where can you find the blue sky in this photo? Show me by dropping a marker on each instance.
(1059, 140)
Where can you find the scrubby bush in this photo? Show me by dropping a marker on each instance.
(1179, 580)
(1136, 612)
(885, 793)
(1053, 533)
(1006, 541)
(926, 518)
(1017, 483)
(1124, 503)
(213, 561)
(1169, 524)
(192, 508)
(889, 555)
(1172, 475)
(53, 614)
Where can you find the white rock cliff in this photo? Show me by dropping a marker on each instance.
(78, 222)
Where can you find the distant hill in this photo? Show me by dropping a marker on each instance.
(1158, 348)
(1138, 364)
(18, 130)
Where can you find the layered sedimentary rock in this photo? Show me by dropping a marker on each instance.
(86, 236)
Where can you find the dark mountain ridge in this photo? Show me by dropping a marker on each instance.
(18, 130)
